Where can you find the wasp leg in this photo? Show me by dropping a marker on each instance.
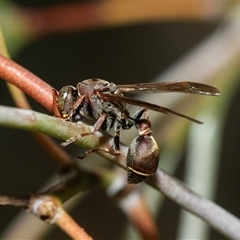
(106, 150)
(141, 111)
(75, 106)
(55, 104)
(116, 140)
(137, 115)
(114, 150)
(96, 127)
(65, 116)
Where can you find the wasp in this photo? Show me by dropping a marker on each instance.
(105, 103)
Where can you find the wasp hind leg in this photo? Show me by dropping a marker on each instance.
(114, 150)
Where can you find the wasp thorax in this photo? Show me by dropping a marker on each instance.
(142, 158)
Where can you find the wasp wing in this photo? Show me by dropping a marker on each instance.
(154, 107)
(178, 86)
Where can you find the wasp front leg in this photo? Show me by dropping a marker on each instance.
(55, 108)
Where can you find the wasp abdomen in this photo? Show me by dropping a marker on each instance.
(142, 158)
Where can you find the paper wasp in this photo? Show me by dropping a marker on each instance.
(104, 102)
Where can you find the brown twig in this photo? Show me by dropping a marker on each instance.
(47, 206)
(139, 215)
(49, 209)
(13, 201)
(69, 226)
(26, 81)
